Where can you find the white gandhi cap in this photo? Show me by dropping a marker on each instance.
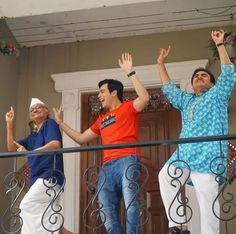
(35, 101)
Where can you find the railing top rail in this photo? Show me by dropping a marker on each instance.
(118, 146)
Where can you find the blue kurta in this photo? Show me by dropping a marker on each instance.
(41, 165)
(205, 114)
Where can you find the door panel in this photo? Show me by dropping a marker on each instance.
(156, 125)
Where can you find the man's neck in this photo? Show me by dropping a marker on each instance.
(39, 124)
(200, 91)
(114, 105)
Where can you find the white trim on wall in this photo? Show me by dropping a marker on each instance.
(72, 85)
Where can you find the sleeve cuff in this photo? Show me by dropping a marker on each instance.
(228, 69)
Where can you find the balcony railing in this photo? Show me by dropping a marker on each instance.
(15, 183)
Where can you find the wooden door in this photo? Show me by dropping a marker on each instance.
(158, 122)
(157, 125)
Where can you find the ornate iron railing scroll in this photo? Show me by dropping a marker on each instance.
(179, 211)
(224, 171)
(10, 186)
(52, 218)
(93, 216)
(133, 174)
(11, 222)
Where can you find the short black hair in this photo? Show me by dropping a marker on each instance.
(212, 78)
(113, 85)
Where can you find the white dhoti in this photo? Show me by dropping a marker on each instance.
(37, 211)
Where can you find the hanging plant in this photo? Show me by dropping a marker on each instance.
(7, 48)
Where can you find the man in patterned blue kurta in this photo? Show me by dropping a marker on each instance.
(204, 113)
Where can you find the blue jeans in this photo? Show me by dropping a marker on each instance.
(120, 178)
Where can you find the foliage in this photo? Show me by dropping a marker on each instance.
(7, 48)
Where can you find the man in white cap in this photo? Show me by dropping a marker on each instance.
(36, 206)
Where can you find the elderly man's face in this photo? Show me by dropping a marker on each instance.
(38, 113)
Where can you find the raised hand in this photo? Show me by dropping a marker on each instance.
(218, 36)
(163, 54)
(10, 115)
(126, 62)
(58, 114)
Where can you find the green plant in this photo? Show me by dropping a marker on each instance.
(7, 48)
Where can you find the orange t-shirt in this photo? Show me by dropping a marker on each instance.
(117, 127)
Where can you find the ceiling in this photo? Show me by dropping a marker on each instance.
(34, 25)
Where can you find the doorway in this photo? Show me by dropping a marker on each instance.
(159, 121)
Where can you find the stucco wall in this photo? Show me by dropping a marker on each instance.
(8, 89)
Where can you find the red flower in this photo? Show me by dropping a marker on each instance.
(7, 48)
(10, 46)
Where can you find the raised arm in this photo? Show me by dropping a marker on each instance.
(78, 137)
(163, 54)
(218, 38)
(126, 63)
(10, 115)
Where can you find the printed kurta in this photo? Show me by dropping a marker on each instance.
(205, 114)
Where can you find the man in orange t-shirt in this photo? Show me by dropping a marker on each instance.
(116, 127)
(120, 173)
